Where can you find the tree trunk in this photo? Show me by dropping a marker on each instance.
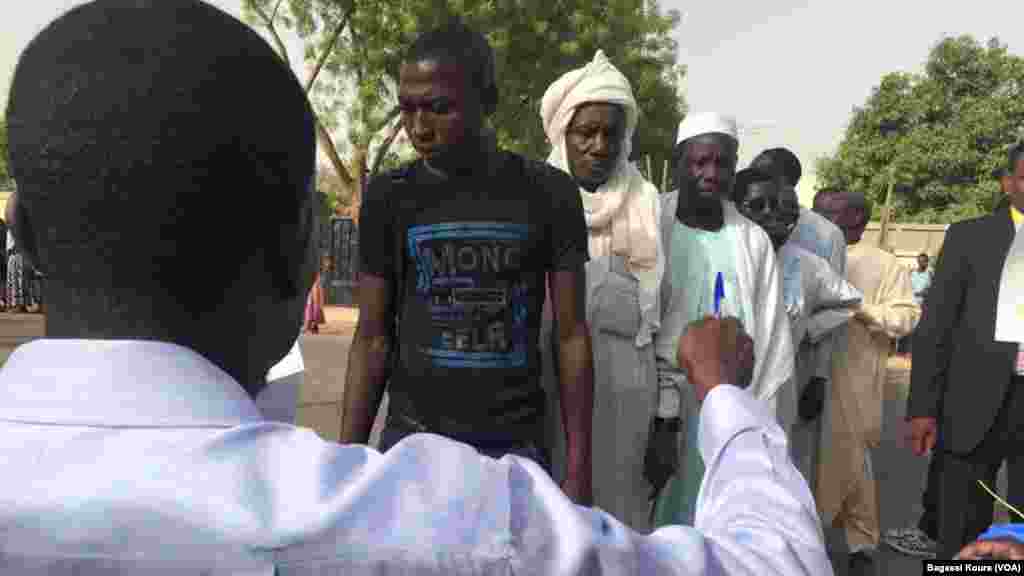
(382, 150)
(359, 180)
(327, 146)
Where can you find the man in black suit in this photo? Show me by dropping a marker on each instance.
(963, 381)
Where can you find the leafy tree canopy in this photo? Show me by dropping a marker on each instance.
(955, 122)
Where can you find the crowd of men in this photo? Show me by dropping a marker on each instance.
(715, 355)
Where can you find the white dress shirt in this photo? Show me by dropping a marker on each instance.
(279, 399)
(126, 457)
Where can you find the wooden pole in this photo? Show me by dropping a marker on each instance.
(883, 230)
(664, 177)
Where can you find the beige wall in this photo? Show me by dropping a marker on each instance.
(909, 240)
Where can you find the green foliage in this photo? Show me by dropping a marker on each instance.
(959, 117)
(535, 41)
(5, 175)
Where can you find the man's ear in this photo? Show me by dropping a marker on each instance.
(291, 259)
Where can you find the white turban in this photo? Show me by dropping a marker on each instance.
(623, 213)
(706, 123)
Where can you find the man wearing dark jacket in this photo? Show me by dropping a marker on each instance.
(963, 381)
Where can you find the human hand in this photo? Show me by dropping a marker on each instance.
(716, 351)
(923, 434)
(812, 400)
(995, 549)
(577, 487)
(661, 460)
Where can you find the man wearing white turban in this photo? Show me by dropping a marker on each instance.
(717, 261)
(589, 116)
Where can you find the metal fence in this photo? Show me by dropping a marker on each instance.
(339, 281)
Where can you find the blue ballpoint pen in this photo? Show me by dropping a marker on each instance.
(719, 294)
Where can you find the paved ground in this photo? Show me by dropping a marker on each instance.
(326, 356)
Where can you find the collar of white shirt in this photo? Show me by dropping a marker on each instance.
(119, 383)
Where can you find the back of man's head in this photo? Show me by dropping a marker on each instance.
(162, 151)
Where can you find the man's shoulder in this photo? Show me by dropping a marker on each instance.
(385, 184)
(822, 228)
(541, 173)
(751, 233)
(793, 251)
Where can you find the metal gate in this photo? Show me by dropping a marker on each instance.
(340, 281)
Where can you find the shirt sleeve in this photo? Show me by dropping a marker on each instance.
(433, 506)
(896, 313)
(566, 226)
(377, 230)
(774, 355)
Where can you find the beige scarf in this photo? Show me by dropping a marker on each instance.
(623, 214)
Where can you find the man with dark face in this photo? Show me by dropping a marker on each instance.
(887, 312)
(965, 403)
(457, 247)
(816, 299)
(717, 260)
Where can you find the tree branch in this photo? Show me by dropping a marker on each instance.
(382, 150)
(326, 52)
(268, 22)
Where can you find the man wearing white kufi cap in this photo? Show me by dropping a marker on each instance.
(589, 116)
(707, 239)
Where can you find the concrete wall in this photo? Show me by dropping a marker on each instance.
(909, 240)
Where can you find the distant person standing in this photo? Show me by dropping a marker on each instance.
(15, 263)
(920, 281)
(3, 263)
(921, 278)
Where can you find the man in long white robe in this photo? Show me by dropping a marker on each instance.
(704, 235)
(847, 488)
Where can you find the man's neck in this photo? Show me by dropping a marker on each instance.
(101, 315)
(467, 161)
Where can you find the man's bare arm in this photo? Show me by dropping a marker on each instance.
(576, 374)
(367, 359)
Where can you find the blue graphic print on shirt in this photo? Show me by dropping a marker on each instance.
(469, 275)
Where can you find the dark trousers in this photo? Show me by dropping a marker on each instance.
(966, 509)
(929, 522)
(394, 431)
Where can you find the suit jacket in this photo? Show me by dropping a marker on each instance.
(960, 374)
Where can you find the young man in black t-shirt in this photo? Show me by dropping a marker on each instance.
(458, 247)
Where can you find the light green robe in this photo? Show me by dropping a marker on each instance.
(753, 293)
(698, 255)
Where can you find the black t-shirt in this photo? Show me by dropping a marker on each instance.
(476, 251)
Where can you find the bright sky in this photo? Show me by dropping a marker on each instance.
(793, 69)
